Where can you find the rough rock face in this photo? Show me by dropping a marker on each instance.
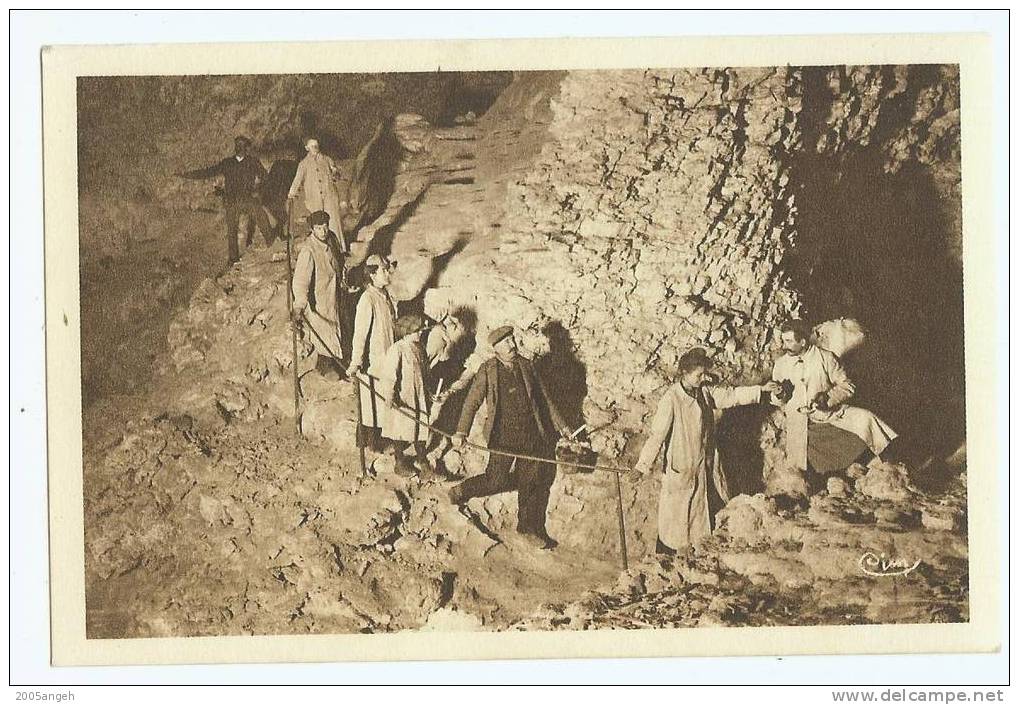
(631, 216)
(134, 132)
(909, 113)
(638, 213)
(661, 212)
(207, 513)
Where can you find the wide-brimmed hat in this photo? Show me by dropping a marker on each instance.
(499, 334)
(379, 261)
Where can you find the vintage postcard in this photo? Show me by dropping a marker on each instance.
(520, 349)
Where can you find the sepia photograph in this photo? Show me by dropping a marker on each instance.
(515, 350)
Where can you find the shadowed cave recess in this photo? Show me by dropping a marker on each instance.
(616, 218)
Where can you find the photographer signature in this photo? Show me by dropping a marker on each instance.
(883, 567)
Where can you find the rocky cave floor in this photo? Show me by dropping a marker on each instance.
(207, 513)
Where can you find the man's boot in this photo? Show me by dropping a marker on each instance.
(404, 467)
(425, 471)
(537, 542)
(662, 550)
(456, 496)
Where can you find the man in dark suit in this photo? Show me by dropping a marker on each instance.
(521, 418)
(242, 174)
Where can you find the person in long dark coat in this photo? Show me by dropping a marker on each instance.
(273, 192)
(242, 175)
(521, 418)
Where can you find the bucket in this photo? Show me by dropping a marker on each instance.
(573, 451)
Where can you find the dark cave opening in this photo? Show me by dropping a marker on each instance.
(470, 93)
(879, 246)
(877, 240)
(873, 247)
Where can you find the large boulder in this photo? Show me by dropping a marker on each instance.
(887, 481)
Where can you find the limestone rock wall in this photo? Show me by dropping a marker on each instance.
(658, 210)
(662, 207)
(619, 218)
(651, 214)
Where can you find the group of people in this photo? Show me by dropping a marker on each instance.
(393, 358)
(823, 434)
(263, 198)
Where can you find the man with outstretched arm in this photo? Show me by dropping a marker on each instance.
(693, 484)
(242, 174)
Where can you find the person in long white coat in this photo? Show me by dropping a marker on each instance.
(693, 484)
(448, 378)
(318, 271)
(316, 176)
(401, 382)
(822, 430)
(373, 335)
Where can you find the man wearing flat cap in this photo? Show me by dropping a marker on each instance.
(521, 418)
(317, 277)
(373, 334)
(693, 484)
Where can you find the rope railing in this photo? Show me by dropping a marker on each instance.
(415, 416)
(616, 472)
(506, 454)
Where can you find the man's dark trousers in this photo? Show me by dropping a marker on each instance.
(514, 425)
(256, 216)
(532, 481)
